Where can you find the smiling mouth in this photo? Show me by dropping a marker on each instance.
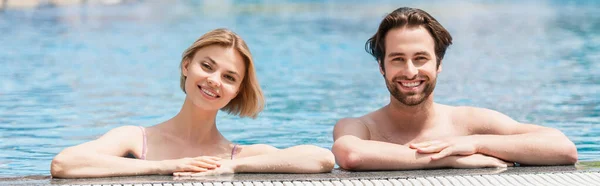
(411, 84)
(208, 92)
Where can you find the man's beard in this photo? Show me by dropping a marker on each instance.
(412, 98)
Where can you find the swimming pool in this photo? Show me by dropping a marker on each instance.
(69, 74)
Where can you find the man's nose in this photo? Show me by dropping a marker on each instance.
(410, 70)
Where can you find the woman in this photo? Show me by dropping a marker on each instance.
(217, 73)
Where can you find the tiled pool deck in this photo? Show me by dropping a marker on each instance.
(549, 175)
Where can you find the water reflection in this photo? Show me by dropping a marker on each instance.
(69, 74)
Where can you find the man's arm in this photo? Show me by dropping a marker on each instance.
(500, 136)
(354, 151)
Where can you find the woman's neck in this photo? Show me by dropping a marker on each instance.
(195, 125)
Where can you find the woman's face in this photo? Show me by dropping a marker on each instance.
(214, 76)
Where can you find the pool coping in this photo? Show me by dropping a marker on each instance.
(335, 175)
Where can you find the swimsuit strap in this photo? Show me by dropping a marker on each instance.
(233, 150)
(144, 148)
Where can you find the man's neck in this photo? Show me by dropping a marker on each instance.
(414, 117)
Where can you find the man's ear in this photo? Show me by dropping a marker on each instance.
(184, 66)
(439, 69)
(380, 69)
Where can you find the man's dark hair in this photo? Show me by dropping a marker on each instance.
(408, 17)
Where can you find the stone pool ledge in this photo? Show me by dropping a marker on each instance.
(586, 173)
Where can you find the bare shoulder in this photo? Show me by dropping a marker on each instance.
(358, 127)
(476, 114)
(123, 133)
(488, 121)
(350, 122)
(118, 141)
(126, 130)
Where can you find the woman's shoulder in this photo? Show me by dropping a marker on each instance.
(125, 131)
(124, 134)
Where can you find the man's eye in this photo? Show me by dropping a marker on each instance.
(397, 60)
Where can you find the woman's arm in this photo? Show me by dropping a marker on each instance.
(297, 159)
(104, 157)
(267, 159)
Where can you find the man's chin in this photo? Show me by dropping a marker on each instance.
(412, 100)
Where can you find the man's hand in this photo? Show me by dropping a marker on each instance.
(462, 145)
(197, 164)
(227, 167)
(475, 161)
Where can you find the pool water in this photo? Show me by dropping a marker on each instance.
(69, 74)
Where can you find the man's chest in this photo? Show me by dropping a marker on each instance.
(406, 137)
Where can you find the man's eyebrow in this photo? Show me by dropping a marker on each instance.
(393, 54)
(423, 53)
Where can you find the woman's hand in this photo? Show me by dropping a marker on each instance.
(196, 164)
(227, 167)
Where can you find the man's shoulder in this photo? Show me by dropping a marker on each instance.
(470, 111)
(474, 116)
(350, 121)
(366, 119)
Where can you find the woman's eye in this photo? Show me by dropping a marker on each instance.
(230, 78)
(205, 65)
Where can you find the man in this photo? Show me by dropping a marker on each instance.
(414, 132)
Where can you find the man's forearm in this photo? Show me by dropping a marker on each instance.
(355, 154)
(548, 147)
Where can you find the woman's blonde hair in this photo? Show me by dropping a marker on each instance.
(249, 100)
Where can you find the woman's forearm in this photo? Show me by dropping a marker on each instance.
(297, 159)
(71, 164)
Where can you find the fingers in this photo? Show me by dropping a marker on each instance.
(432, 148)
(444, 153)
(182, 174)
(213, 158)
(204, 165)
(498, 163)
(424, 144)
(193, 174)
(209, 159)
(207, 162)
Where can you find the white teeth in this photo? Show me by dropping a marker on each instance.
(413, 84)
(209, 93)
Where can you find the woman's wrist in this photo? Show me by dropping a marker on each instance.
(160, 167)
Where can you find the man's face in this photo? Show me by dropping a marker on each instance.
(410, 64)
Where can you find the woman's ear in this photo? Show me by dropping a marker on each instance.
(184, 66)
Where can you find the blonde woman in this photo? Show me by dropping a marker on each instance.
(217, 73)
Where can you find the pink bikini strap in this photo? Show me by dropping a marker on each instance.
(144, 149)
(233, 150)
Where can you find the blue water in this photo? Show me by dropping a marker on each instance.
(69, 74)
